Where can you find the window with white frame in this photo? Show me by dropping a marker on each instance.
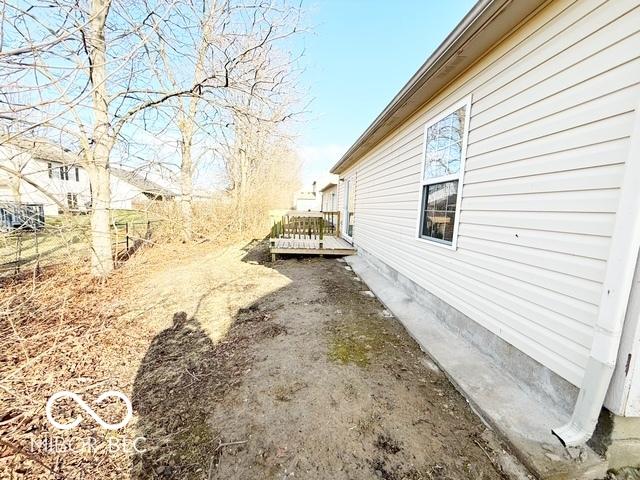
(442, 170)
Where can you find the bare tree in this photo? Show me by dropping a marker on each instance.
(233, 51)
(262, 169)
(82, 70)
(96, 155)
(86, 72)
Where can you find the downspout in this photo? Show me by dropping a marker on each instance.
(621, 265)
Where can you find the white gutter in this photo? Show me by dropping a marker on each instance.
(621, 264)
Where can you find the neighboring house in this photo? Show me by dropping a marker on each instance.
(500, 188)
(130, 190)
(329, 197)
(50, 176)
(316, 200)
(308, 201)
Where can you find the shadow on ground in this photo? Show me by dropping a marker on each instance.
(169, 395)
(315, 380)
(182, 376)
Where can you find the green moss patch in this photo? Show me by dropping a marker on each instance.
(357, 342)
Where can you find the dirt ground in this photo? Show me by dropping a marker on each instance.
(239, 368)
(313, 379)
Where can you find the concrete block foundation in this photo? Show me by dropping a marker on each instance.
(618, 440)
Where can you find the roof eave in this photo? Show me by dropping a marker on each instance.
(328, 186)
(454, 55)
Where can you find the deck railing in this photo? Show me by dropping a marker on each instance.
(332, 223)
(315, 233)
(296, 226)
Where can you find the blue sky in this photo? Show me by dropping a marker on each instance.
(357, 58)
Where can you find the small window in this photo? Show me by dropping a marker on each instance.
(442, 169)
(50, 169)
(64, 172)
(77, 174)
(72, 201)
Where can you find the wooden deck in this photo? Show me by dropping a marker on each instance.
(308, 233)
(305, 245)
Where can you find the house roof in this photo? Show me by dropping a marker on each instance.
(44, 149)
(485, 24)
(138, 181)
(328, 186)
(41, 148)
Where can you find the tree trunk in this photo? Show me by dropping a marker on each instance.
(101, 253)
(186, 125)
(186, 187)
(242, 191)
(98, 158)
(15, 189)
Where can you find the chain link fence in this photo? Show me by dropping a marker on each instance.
(29, 241)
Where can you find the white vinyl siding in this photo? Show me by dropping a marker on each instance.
(553, 106)
(330, 200)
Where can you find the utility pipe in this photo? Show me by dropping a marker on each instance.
(621, 264)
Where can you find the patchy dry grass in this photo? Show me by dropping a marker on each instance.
(57, 332)
(358, 339)
(285, 393)
(62, 330)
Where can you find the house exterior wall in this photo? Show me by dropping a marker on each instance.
(37, 171)
(625, 384)
(552, 110)
(123, 194)
(330, 199)
(308, 204)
